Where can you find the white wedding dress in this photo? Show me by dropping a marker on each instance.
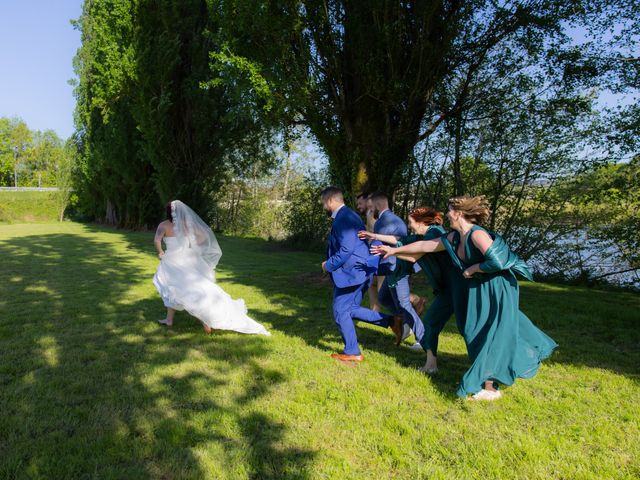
(185, 278)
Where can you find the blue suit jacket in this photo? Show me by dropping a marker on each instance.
(346, 254)
(389, 224)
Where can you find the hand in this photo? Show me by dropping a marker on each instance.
(160, 254)
(324, 267)
(469, 272)
(385, 250)
(364, 235)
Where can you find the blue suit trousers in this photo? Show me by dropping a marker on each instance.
(346, 309)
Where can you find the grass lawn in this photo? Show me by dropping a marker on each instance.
(92, 387)
(28, 206)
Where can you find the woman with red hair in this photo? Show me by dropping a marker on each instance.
(503, 344)
(426, 224)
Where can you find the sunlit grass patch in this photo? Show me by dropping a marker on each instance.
(92, 386)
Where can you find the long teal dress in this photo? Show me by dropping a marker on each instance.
(501, 341)
(447, 283)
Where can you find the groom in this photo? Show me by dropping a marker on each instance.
(347, 262)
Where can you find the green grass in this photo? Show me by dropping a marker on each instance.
(92, 387)
(20, 207)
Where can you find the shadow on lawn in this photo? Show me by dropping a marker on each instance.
(290, 279)
(592, 329)
(80, 396)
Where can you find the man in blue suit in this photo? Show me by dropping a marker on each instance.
(397, 296)
(347, 257)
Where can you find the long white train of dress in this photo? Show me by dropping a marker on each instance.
(186, 282)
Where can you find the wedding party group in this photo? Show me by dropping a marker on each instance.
(471, 271)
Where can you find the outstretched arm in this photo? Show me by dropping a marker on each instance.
(390, 239)
(422, 247)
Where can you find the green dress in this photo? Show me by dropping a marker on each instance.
(447, 283)
(501, 341)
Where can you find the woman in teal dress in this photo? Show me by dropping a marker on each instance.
(426, 224)
(501, 341)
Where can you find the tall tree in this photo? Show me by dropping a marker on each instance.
(152, 122)
(20, 139)
(6, 153)
(42, 158)
(114, 179)
(64, 176)
(361, 75)
(191, 129)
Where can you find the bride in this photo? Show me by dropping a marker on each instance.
(185, 277)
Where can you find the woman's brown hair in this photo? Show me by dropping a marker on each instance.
(427, 216)
(167, 209)
(474, 209)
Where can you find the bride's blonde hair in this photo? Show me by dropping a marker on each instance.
(474, 209)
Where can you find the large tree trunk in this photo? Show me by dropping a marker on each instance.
(378, 77)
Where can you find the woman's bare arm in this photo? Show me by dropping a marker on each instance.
(390, 239)
(157, 240)
(423, 246)
(482, 240)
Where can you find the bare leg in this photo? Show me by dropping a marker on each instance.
(374, 289)
(431, 365)
(418, 303)
(489, 385)
(171, 313)
(380, 281)
(373, 297)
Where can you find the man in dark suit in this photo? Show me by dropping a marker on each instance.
(347, 257)
(395, 295)
(365, 207)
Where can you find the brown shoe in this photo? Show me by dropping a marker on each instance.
(207, 329)
(347, 358)
(396, 328)
(420, 304)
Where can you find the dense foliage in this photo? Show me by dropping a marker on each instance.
(148, 129)
(373, 80)
(34, 159)
(29, 158)
(201, 99)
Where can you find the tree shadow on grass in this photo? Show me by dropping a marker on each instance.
(301, 296)
(589, 325)
(594, 328)
(93, 388)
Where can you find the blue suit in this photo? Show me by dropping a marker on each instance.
(389, 224)
(347, 262)
(397, 298)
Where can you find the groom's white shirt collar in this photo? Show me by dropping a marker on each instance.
(335, 212)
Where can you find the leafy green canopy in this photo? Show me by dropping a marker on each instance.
(148, 127)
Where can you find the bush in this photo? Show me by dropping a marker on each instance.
(306, 221)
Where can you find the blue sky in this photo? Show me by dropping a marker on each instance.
(37, 45)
